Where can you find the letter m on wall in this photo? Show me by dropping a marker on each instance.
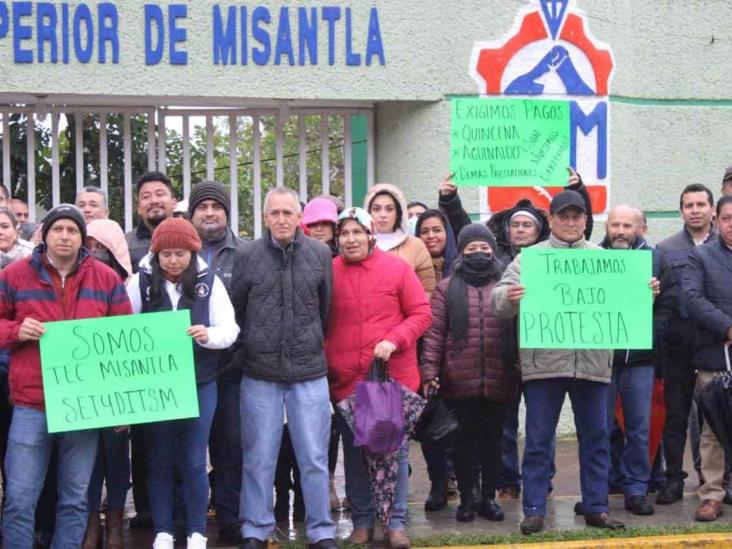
(579, 121)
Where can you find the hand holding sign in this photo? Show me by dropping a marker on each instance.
(31, 330)
(447, 186)
(515, 293)
(199, 332)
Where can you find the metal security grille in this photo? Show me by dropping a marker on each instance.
(48, 154)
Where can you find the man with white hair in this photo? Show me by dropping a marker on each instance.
(281, 294)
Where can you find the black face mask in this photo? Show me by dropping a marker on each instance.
(478, 261)
(102, 255)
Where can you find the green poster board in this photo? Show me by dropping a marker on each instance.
(586, 299)
(120, 370)
(509, 142)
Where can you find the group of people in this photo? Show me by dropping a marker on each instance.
(285, 326)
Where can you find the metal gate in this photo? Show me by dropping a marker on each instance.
(311, 149)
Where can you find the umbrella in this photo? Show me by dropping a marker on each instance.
(715, 403)
(658, 418)
(382, 469)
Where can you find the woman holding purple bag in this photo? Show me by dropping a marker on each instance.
(378, 310)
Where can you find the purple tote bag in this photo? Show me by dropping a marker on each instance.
(378, 412)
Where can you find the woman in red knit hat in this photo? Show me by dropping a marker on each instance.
(173, 277)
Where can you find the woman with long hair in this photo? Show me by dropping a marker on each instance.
(173, 277)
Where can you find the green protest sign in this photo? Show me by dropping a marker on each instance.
(509, 142)
(586, 299)
(119, 370)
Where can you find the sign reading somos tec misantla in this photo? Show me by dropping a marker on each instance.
(121, 370)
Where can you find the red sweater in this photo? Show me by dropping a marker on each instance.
(376, 299)
(27, 289)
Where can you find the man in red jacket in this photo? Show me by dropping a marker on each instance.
(60, 281)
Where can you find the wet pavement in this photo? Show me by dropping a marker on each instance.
(560, 515)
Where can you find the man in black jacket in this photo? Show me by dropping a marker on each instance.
(282, 290)
(209, 208)
(633, 372)
(696, 205)
(706, 283)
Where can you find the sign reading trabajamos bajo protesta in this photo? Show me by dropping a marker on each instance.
(120, 370)
(586, 299)
(509, 142)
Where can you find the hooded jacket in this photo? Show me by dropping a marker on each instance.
(498, 224)
(375, 299)
(588, 364)
(93, 290)
(409, 248)
(110, 235)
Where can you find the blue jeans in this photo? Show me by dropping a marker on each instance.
(225, 450)
(26, 464)
(544, 399)
(308, 420)
(180, 445)
(358, 486)
(635, 386)
(112, 466)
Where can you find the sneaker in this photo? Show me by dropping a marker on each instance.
(164, 541)
(196, 541)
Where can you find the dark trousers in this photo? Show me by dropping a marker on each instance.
(435, 457)
(678, 391)
(478, 446)
(511, 471)
(225, 452)
(139, 470)
(287, 473)
(544, 399)
(335, 439)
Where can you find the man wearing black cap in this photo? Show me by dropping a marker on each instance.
(155, 203)
(209, 209)
(548, 375)
(59, 281)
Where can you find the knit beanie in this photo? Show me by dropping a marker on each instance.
(209, 190)
(64, 211)
(175, 233)
(475, 232)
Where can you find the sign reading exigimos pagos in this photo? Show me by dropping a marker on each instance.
(544, 90)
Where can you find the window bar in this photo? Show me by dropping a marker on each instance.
(233, 175)
(162, 142)
(257, 178)
(347, 161)
(55, 168)
(79, 148)
(209, 147)
(103, 154)
(127, 131)
(324, 154)
(151, 141)
(303, 151)
(371, 150)
(6, 152)
(186, 157)
(279, 153)
(31, 163)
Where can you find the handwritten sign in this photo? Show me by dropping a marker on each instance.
(509, 142)
(586, 299)
(121, 370)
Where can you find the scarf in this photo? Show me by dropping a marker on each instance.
(478, 270)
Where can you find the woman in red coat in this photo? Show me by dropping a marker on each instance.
(465, 348)
(378, 310)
